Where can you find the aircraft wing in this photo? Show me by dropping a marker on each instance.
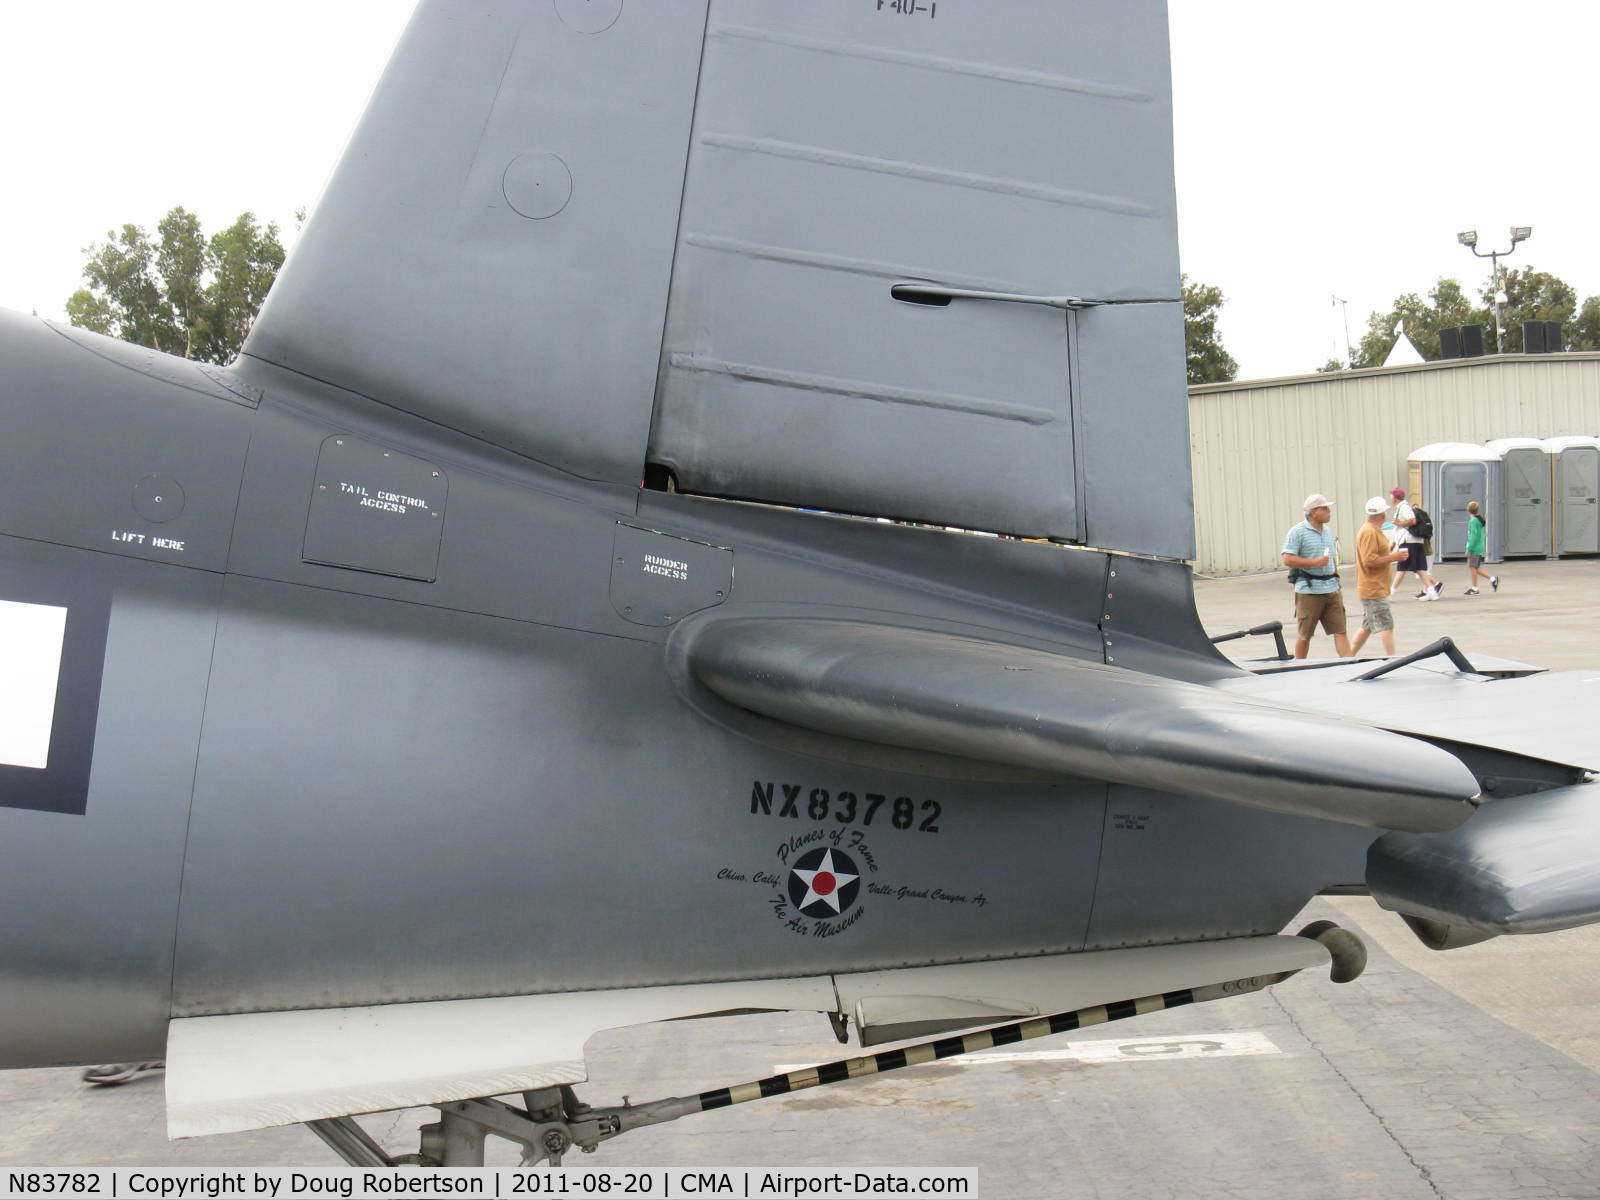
(254, 1070)
(979, 699)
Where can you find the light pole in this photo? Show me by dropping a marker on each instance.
(1469, 239)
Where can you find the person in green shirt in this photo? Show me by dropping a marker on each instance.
(1475, 551)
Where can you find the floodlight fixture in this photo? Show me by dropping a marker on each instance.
(1469, 239)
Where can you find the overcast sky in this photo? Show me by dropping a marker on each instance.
(1322, 148)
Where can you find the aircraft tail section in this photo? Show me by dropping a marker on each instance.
(904, 260)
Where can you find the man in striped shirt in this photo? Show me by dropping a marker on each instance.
(1312, 553)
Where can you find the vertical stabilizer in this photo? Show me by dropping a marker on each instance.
(741, 239)
(494, 250)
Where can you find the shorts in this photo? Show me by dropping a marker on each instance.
(1474, 561)
(1311, 610)
(1416, 558)
(1376, 615)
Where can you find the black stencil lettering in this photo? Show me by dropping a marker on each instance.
(761, 799)
(845, 807)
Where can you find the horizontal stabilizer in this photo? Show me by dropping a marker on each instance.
(1523, 865)
(997, 703)
(1516, 709)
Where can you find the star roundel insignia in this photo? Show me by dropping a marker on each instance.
(823, 883)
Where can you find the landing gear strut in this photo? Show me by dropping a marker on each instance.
(551, 1123)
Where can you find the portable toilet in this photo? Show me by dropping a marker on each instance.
(1526, 518)
(1447, 475)
(1575, 485)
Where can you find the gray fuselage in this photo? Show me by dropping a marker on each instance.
(355, 753)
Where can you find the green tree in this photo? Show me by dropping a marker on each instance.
(244, 260)
(1446, 305)
(180, 265)
(181, 292)
(1586, 326)
(1204, 355)
(1531, 296)
(123, 298)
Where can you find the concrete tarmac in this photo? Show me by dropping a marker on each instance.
(1466, 1074)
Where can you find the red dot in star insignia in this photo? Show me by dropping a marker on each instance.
(823, 883)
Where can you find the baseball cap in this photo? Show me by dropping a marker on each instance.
(1398, 493)
(1377, 505)
(1316, 500)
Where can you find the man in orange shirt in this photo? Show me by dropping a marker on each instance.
(1374, 569)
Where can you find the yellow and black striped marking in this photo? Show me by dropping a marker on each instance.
(1003, 1035)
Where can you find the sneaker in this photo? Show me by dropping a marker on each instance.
(121, 1072)
(1436, 591)
(1470, 592)
(1494, 582)
(1422, 595)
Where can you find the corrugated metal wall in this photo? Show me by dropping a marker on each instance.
(1260, 447)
